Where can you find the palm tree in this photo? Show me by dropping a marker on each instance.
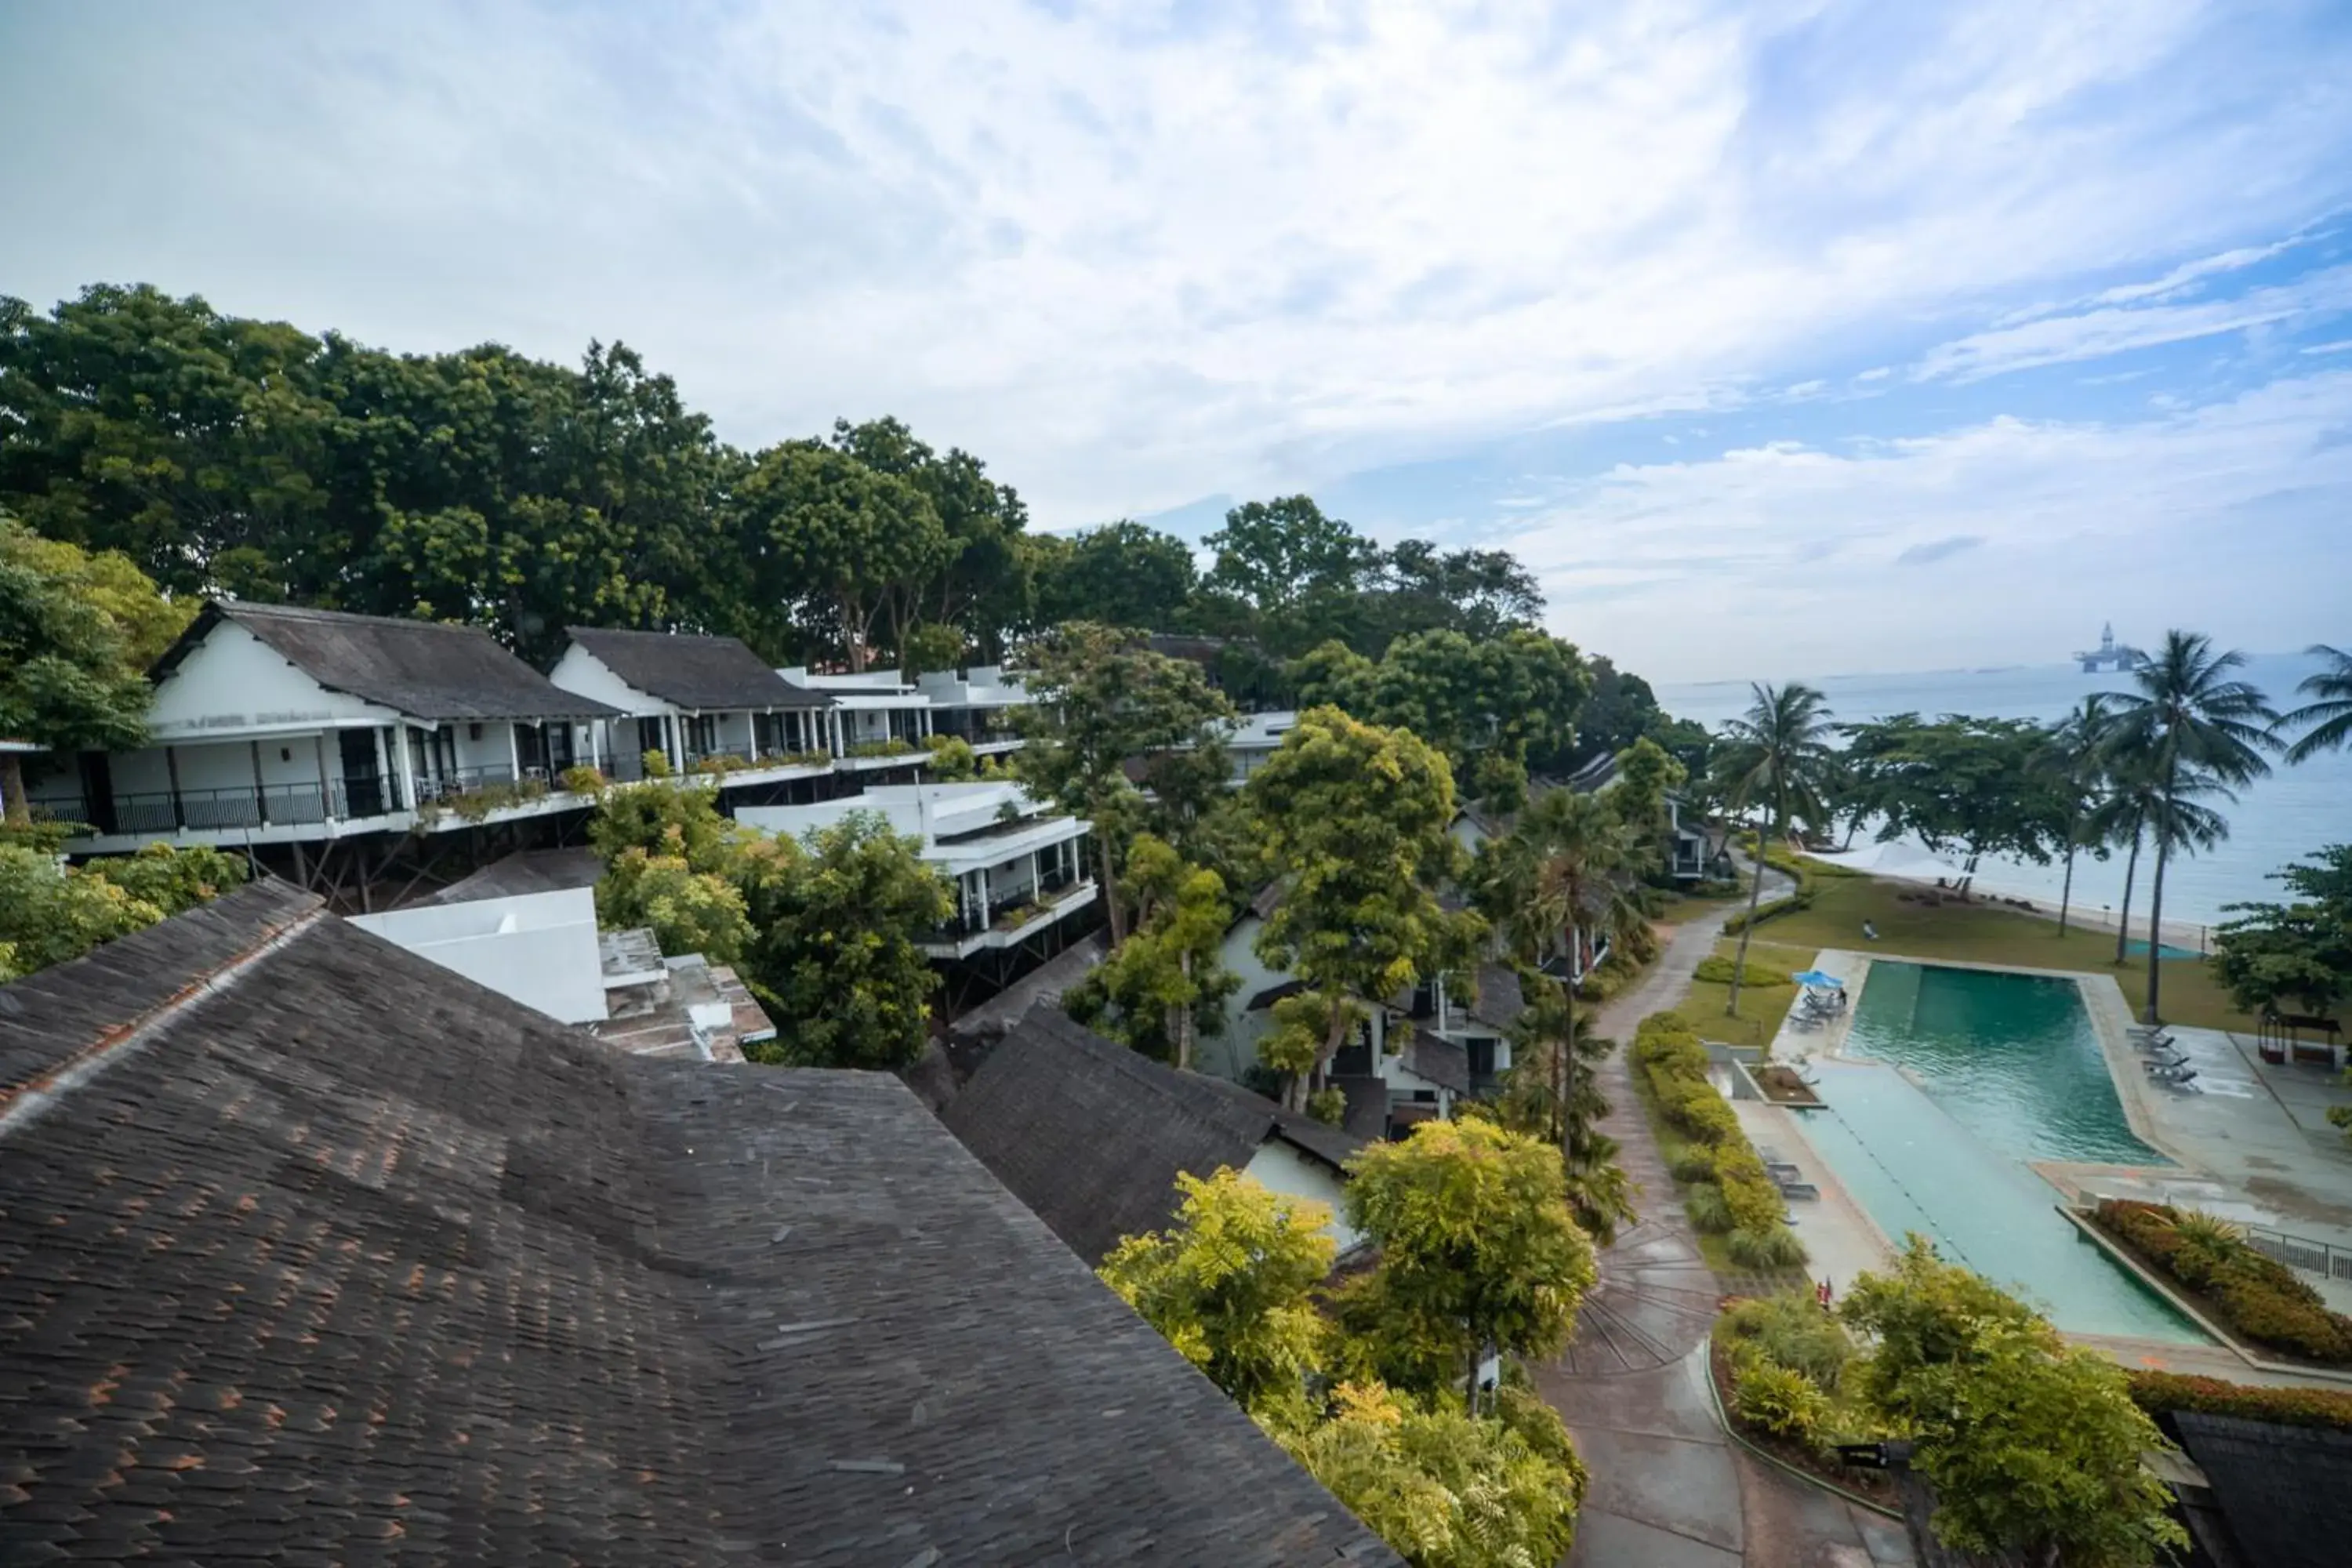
(1567, 872)
(2329, 713)
(1776, 757)
(2077, 761)
(2121, 820)
(2189, 729)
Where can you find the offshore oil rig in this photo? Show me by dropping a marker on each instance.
(2110, 653)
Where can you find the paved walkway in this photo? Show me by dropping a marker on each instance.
(1669, 1490)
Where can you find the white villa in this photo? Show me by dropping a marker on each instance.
(1020, 868)
(880, 718)
(976, 706)
(278, 725)
(699, 701)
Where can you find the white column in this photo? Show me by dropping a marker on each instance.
(405, 762)
(1037, 879)
(514, 754)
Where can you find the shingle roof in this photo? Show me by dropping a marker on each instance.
(421, 668)
(1500, 999)
(701, 673)
(524, 871)
(1438, 1060)
(1092, 1136)
(1367, 1105)
(2282, 1488)
(357, 1260)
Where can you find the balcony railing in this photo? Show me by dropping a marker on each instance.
(464, 781)
(217, 810)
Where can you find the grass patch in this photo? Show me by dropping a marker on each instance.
(1981, 933)
(1681, 905)
(1761, 1008)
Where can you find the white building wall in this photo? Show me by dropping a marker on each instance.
(222, 766)
(235, 683)
(1279, 1168)
(494, 747)
(142, 772)
(582, 674)
(1234, 1052)
(538, 948)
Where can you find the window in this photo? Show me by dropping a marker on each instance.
(1482, 1056)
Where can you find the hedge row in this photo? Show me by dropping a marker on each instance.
(1674, 1059)
(2259, 1298)
(1796, 865)
(1717, 970)
(2161, 1394)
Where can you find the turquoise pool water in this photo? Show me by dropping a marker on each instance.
(1995, 1071)
(2138, 946)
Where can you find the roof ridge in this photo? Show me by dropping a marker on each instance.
(1170, 1082)
(319, 613)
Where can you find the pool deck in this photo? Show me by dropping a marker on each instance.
(2253, 1146)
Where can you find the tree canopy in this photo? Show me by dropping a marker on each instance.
(1976, 786)
(2293, 956)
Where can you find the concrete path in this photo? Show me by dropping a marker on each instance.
(1669, 1489)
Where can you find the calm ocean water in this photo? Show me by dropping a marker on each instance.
(2277, 819)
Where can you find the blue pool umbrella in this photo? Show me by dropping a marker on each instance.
(1815, 977)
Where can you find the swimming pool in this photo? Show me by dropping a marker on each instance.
(1971, 1074)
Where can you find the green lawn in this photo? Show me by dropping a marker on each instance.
(1761, 1008)
(1676, 908)
(1980, 934)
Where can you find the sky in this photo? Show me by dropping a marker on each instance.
(1777, 338)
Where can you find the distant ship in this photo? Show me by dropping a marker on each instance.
(2110, 653)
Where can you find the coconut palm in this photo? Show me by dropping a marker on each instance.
(2329, 713)
(2077, 761)
(1567, 872)
(2189, 728)
(1776, 757)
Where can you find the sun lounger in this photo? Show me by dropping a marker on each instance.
(1783, 1171)
(2154, 1043)
(1805, 1190)
(2172, 1074)
(2186, 1083)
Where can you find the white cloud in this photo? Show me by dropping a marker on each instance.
(1786, 560)
(1148, 252)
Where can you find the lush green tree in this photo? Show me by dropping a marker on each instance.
(1647, 778)
(2075, 760)
(2330, 711)
(2033, 1445)
(952, 760)
(1447, 1488)
(665, 819)
(1969, 786)
(687, 910)
(1120, 574)
(2300, 951)
(1159, 981)
(1619, 711)
(2188, 724)
(1563, 883)
(69, 672)
(1479, 592)
(979, 577)
(1354, 819)
(1288, 576)
(1478, 1251)
(2131, 813)
(1103, 699)
(819, 525)
(51, 912)
(1231, 1285)
(1305, 1025)
(1774, 759)
(835, 953)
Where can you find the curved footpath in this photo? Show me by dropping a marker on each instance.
(1669, 1489)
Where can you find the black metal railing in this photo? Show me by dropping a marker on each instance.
(464, 781)
(216, 810)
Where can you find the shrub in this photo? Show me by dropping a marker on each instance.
(475, 805)
(2162, 1393)
(1753, 1196)
(1707, 1211)
(1781, 1400)
(582, 779)
(1777, 1247)
(1719, 970)
(2257, 1297)
(1695, 1163)
(1329, 1105)
(656, 764)
(1789, 1329)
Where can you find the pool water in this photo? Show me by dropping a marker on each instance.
(2137, 947)
(1974, 1074)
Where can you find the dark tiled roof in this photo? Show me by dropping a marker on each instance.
(694, 672)
(53, 1015)
(356, 1260)
(1092, 1136)
(1368, 1106)
(1500, 999)
(421, 668)
(2286, 1492)
(1334, 1146)
(524, 871)
(1261, 1000)
(1438, 1060)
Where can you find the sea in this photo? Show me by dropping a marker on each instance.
(2275, 820)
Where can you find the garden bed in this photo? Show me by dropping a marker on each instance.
(2258, 1299)
(1781, 1085)
(1874, 1486)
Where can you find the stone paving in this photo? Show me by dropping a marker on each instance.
(1669, 1488)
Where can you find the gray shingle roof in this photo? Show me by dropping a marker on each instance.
(1500, 998)
(1092, 1136)
(1438, 1060)
(2286, 1492)
(356, 1260)
(699, 673)
(421, 668)
(524, 871)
